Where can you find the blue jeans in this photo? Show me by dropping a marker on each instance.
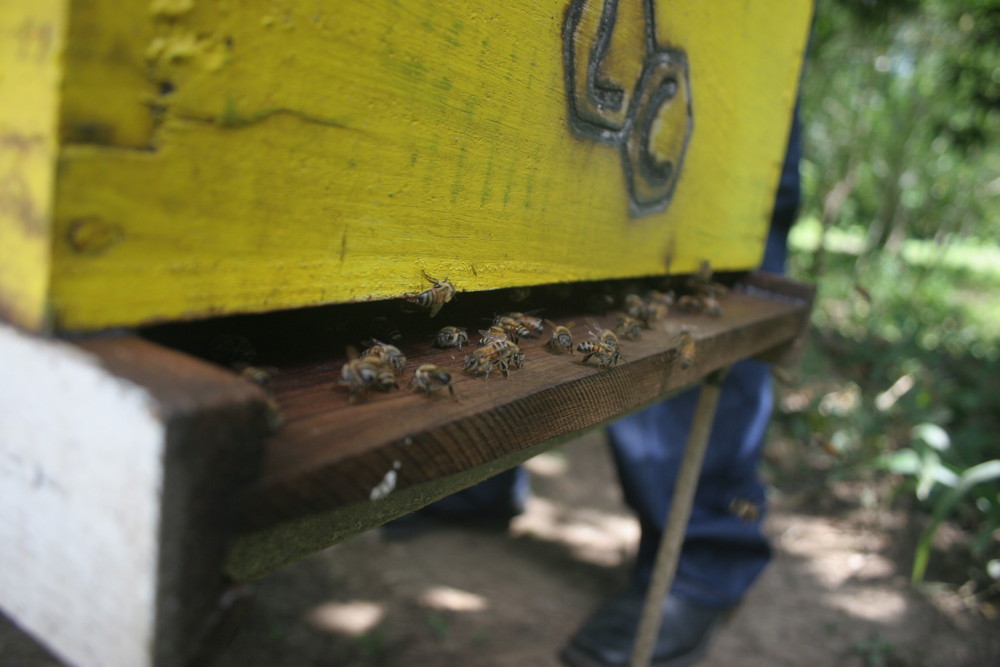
(722, 553)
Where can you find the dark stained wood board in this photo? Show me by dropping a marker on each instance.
(330, 454)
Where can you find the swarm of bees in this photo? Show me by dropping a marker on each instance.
(434, 298)
(501, 346)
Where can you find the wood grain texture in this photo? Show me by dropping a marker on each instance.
(214, 425)
(322, 466)
(119, 461)
(224, 157)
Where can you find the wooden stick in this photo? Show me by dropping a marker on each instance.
(680, 511)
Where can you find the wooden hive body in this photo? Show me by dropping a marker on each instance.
(177, 159)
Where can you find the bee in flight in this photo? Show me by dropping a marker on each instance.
(744, 509)
(451, 337)
(390, 354)
(562, 338)
(430, 378)
(432, 299)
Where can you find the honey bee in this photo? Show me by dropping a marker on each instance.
(532, 324)
(484, 359)
(361, 374)
(514, 329)
(390, 354)
(686, 349)
(492, 334)
(451, 337)
(232, 349)
(562, 338)
(499, 353)
(689, 303)
(745, 509)
(628, 327)
(710, 306)
(259, 376)
(600, 303)
(645, 312)
(663, 298)
(429, 378)
(700, 304)
(433, 299)
(382, 329)
(701, 282)
(604, 346)
(519, 294)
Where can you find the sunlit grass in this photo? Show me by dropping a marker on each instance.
(935, 294)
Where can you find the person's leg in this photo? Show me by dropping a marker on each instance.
(724, 551)
(500, 497)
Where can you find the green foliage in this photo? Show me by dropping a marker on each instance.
(901, 109)
(901, 102)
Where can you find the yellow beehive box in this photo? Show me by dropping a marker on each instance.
(171, 159)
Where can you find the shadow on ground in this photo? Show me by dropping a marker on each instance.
(832, 597)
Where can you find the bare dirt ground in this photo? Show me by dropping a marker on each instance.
(836, 594)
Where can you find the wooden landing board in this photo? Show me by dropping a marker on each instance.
(335, 468)
(200, 158)
(119, 461)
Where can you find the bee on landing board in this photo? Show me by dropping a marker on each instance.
(382, 329)
(604, 347)
(363, 373)
(390, 354)
(451, 337)
(433, 299)
(514, 329)
(430, 378)
(533, 325)
(498, 353)
(628, 327)
(366, 373)
(494, 333)
(562, 338)
(685, 349)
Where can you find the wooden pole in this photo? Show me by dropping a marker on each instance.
(677, 519)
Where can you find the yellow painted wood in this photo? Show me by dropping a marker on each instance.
(31, 38)
(230, 156)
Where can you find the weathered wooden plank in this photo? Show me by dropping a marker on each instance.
(118, 463)
(336, 468)
(222, 157)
